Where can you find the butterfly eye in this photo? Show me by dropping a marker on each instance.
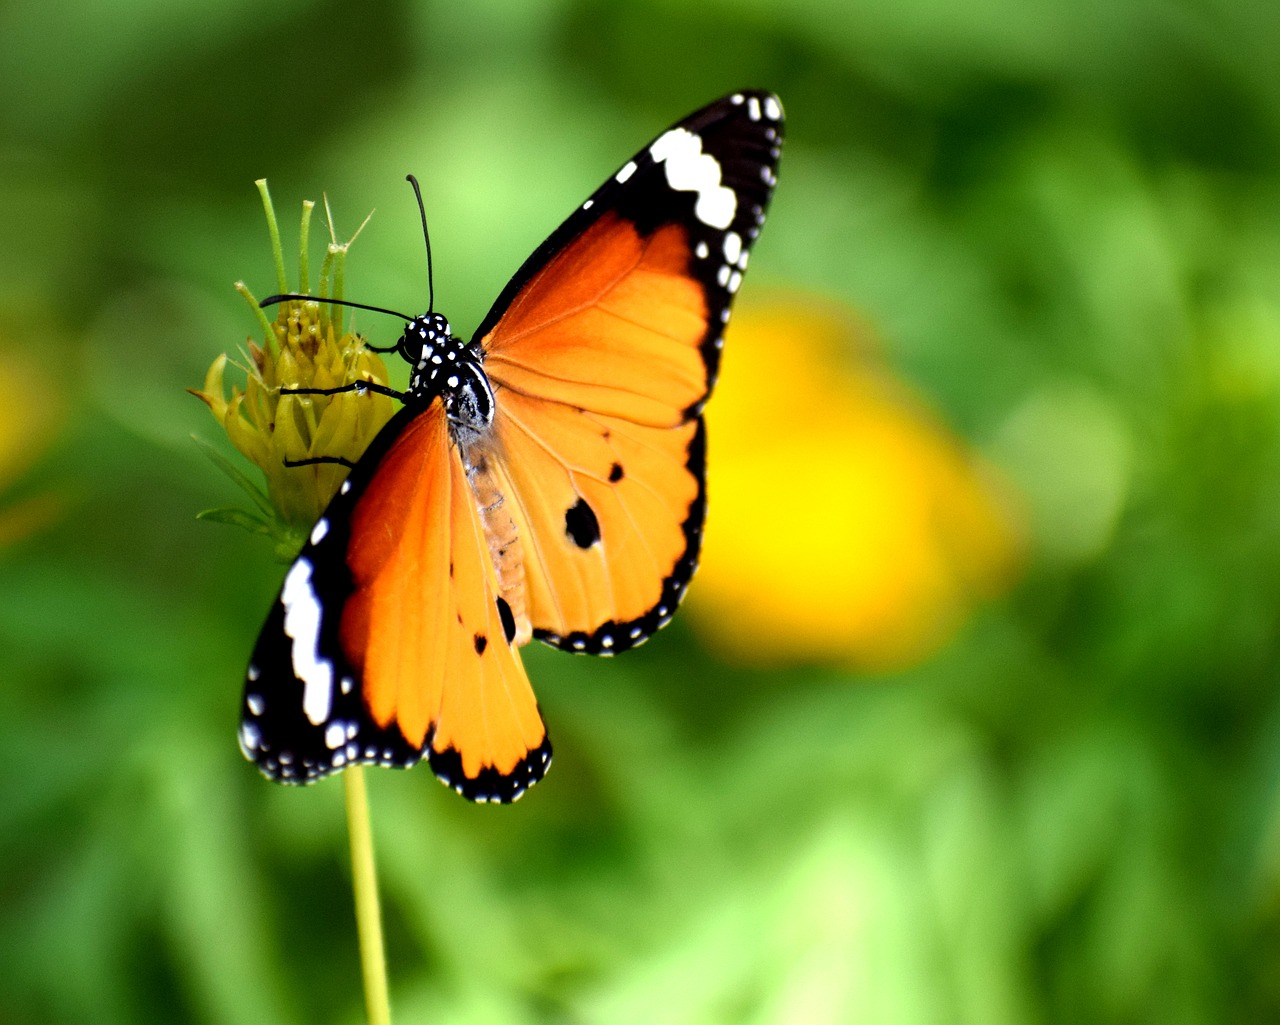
(412, 341)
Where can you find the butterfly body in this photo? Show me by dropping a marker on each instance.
(546, 479)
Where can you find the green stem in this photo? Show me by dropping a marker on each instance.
(339, 269)
(364, 880)
(304, 242)
(268, 331)
(326, 275)
(277, 250)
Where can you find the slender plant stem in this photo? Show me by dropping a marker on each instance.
(373, 961)
(304, 243)
(273, 229)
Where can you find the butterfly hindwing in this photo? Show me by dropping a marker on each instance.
(603, 350)
(389, 640)
(607, 509)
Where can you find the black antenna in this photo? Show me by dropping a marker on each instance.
(271, 300)
(431, 289)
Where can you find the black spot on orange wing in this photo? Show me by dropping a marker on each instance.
(581, 525)
(480, 643)
(615, 473)
(508, 619)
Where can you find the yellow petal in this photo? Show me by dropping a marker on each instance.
(213, 395)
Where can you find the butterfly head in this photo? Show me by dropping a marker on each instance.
(425, 337)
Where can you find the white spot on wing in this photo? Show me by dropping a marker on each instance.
(688, 169)
(335, 735)
(772, 108)
(250, 738)
(302, 622)
(732, 250)
(319, 530)
(626, 172)
(256, 704)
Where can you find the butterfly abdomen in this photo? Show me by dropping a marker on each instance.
(501, 534)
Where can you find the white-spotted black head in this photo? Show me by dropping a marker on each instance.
(429, 346)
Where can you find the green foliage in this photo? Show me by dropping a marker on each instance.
(1062, 220)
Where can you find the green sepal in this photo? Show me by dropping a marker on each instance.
(237, 518)
(256, 493)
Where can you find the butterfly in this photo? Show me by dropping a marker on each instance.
(544, 480)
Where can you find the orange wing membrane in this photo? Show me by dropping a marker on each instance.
(545, 480)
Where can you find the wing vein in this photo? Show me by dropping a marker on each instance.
(534, 372)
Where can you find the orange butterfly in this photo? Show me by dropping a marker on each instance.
(543, 480)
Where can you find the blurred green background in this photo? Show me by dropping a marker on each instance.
(1060, 221)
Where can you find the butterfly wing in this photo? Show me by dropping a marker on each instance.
(603, 350)
(389, 640)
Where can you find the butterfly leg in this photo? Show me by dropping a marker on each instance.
(359, 387)
(313, 460)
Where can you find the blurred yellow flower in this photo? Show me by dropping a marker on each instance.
(30, 414)
(846, 524)
(304, 347)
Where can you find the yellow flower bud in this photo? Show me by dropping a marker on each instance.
(304, 347)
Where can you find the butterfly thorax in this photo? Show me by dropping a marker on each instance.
(445, 366)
